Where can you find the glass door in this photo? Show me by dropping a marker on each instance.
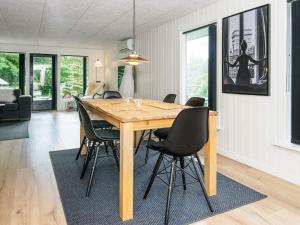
(43, 81)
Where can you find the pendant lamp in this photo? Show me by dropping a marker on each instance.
(133, 58)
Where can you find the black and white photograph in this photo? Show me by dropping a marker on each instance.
(246, 53)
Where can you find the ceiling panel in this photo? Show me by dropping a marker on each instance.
(85, 22)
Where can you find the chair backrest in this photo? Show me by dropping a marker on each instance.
(77, 100)
(170, 98)
(195, 102)
(86, 122)
(189, 131)
(95, 89)
(111, 95)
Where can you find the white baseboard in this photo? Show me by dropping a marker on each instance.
(262, 167)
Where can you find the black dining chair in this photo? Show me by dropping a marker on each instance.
(162, 133)
(195, 102)
(186, 137)
(170, 98)
(97, 124)
(95, 138)
(111, 95)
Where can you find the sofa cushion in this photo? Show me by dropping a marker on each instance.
(11, 106)
(8, 95)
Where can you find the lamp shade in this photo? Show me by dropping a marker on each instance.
(133, 59)
(98, 63)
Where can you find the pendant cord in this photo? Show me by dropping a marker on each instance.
(133, 44)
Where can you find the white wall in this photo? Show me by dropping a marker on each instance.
(250, 125)
(92, 55)
(112, 56)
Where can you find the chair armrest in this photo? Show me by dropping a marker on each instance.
(97, 95)
(25, 102)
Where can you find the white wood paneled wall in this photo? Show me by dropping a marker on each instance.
(249, 125)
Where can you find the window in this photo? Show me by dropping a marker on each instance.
(200, 65)
(12, 69)
(295, 71)
(73, 75)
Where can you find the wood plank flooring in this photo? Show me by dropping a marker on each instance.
(29, 195)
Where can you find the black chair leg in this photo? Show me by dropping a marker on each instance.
(140, 141)
(182, 172)
(200, 164)
(106, 148)
(92, 172)
(170, 190)
(81, 146)
(202, 186)
(147, 151)
(154, 173)
(87, 160)
(114, 149)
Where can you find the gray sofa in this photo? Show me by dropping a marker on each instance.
(14, 106)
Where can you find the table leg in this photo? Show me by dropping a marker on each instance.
(210, 158)
(126, 171)
(82, 134)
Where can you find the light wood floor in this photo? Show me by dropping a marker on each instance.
(29, 196)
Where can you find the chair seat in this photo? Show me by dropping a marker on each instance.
(158, 146)
(108, 135)
(101, 124)
(168, 148)
(162, 133)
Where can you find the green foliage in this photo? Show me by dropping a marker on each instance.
(9, 68)
(197, 79)
(71, 75)
(46, 89)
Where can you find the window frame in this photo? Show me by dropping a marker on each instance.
(212, 81)
(22, 69)
(84, 72)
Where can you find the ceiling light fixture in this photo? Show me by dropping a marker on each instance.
(133, 58)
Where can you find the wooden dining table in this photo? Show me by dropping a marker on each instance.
(131, 117)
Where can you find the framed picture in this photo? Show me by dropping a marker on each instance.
(246, 52)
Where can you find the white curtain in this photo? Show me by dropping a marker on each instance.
(127, 83)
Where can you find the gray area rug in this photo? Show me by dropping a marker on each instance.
(13, 130)
(102, 205)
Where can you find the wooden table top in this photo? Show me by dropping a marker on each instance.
(125, 111)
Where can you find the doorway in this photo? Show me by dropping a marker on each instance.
(43, 81)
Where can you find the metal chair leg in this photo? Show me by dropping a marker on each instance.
(92, 172)
(202, 186)
(154, 173)
(170, 190)
(140, 141)
(81, 146)
(114, 149)
(106, 148)
(87, 160)
(200, 164)
(182, 172)
(147, 152)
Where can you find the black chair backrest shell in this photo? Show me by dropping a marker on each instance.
(195, 102)
(86, 123)
(170, 98)
(189, 132)
(111, 95)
